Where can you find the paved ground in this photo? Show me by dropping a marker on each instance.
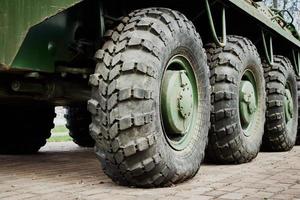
(64, 171)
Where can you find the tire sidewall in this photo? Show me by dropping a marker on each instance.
(291, 80)
(253, 141)
(189, 158)
(278, 137)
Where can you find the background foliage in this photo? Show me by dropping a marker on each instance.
(291, 5)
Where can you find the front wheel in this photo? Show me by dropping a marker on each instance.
(150, 100)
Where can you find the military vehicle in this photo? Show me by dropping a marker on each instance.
(152, 83)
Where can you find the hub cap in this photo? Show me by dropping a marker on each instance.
(247, 101)
(179, 102)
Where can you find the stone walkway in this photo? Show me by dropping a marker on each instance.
(64, 171)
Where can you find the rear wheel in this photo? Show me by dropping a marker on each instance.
(298, 94)
(24, 129)
(150, 100)
(238, 101)
(282, 106)
(78, 121)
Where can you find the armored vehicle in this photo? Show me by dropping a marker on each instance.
(154, 85)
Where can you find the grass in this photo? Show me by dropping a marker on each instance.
(59, 129)
(60, 138)
(60, 134)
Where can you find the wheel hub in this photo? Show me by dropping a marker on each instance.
(186, 96)
(247, 102)
(177, 99)
(288, 105)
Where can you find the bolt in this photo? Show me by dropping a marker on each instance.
(183, 79)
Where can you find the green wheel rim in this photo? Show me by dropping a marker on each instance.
(288, 107)
(247, 101)
(179, 102)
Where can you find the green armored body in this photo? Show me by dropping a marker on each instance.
(154, 85)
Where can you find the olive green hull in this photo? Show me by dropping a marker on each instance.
(16, 20)
(39, 35)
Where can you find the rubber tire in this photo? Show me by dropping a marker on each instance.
(227, 142)
(78, 121)
(125, 104)
(277, 137)
(25, 128)
(298, 93)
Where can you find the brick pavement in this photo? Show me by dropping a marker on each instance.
(65, 171)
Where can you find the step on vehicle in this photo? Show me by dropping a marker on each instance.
(164, 82)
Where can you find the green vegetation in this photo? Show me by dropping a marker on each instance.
(60, 134)
(59, 129)
(59, 138)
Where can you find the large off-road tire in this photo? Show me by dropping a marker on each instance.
(25, 128)
(238, 101)
(131, 86)
(282, 106)
(298, 94)
(78, 121)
